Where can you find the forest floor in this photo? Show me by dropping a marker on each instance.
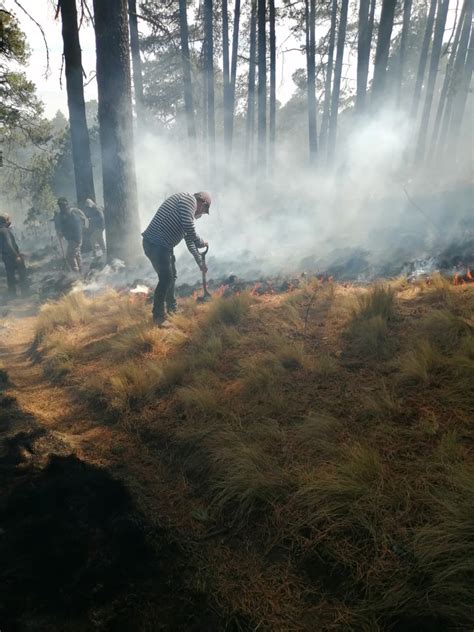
(291, 462)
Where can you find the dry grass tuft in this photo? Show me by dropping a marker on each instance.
(444, 549)
(418, 364)
(444, 329)
(229, 311)
(368, 332)
(132, 385)
(70, 310)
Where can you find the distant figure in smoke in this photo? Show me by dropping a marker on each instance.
(12, 257)
(173, 221)
(95, 215)
(70, 223)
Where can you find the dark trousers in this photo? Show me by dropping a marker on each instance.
(13, 267)
(163, 260)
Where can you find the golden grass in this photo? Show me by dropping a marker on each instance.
(335, 437)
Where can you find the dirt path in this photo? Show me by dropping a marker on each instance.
(79, 497)
(52, 406)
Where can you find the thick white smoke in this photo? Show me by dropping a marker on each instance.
(265, 224)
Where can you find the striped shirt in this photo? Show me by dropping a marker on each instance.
(173, 221)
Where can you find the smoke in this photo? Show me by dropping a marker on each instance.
(297, 217)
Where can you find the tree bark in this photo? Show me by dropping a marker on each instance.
(235, 50)
(383, 49)
(323, 132)
(461, 87)
(250, 122)
(363, 54)
(423, 59)
(403, 44)
(136, 62)
(272, 42)
(262, 86)
(463, 28)
(228, 113)
(341, 38)
(209, 74)
(433, 71)
(187, 82)
(116, 128)
(81, 153)
(310, 6)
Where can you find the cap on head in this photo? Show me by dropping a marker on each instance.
(205, 198)
(5, 219)
(62, 201)
(90, 203)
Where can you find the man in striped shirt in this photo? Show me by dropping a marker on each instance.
(173, 221)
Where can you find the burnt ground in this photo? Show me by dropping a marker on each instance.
(76, 552)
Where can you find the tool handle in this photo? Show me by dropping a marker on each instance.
(204, 252)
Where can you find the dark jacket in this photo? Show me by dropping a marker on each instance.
(70, 225)
(8, 245)
(95, 215)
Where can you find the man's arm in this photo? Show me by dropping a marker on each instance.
(193, 241)
(193, 250)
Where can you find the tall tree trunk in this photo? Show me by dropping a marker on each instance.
(403, 44)
(81, 153)
(310, 9)
(341, 39)
(423, 58)
(363, 54)
(228, 113)
(116, 128)
(262, 85)
(136, 62)
(462, 88)
(463, 28)
(323, 133)
(233, 66)
(187, 82)
(250, 123)
(383, 49)
(433, 71)
(209, 73)
(271, 6)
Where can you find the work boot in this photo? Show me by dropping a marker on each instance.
(158, 320)
(172, 309)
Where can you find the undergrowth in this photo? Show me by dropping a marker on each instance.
(357, 481)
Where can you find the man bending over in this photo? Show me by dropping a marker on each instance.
(173, 221)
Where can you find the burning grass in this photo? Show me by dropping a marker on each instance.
(328, 429)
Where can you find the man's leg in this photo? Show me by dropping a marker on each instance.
(78, 256)
(161, 261)
(10, 272)
(21, 269)
(71, 256)
(170, 295)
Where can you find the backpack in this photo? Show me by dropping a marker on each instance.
(78, 213)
